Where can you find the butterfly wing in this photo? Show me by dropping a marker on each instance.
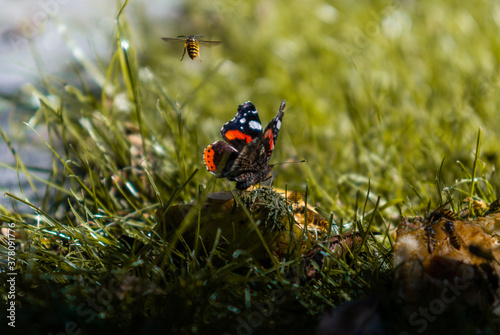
(243, 128)
(270, 134)
(219, 157)
(251, 165)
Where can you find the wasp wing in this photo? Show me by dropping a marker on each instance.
(209, 42)
(171, 39)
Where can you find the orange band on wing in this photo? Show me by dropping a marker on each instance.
(208, 158)
(237, 135)
(269, 135)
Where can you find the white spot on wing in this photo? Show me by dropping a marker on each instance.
(254, 125)
(243, 120)
(278, 124)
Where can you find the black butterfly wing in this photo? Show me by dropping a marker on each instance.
(270, 134)
(243, 128)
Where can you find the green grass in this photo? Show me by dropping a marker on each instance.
(388, 103)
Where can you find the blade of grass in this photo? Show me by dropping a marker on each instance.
(474, 165)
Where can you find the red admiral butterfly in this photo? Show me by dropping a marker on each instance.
(245, 157)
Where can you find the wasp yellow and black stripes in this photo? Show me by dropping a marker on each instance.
(191, 44)
(441, 213)
(449, 229)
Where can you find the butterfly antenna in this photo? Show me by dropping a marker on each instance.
(294, 162)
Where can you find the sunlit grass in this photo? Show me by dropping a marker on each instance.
(392, 105)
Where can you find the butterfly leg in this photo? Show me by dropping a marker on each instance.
(260, 183)
(265, 180)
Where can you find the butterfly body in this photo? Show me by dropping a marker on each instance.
(244, 156)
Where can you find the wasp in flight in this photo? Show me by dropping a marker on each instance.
(191, 44)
